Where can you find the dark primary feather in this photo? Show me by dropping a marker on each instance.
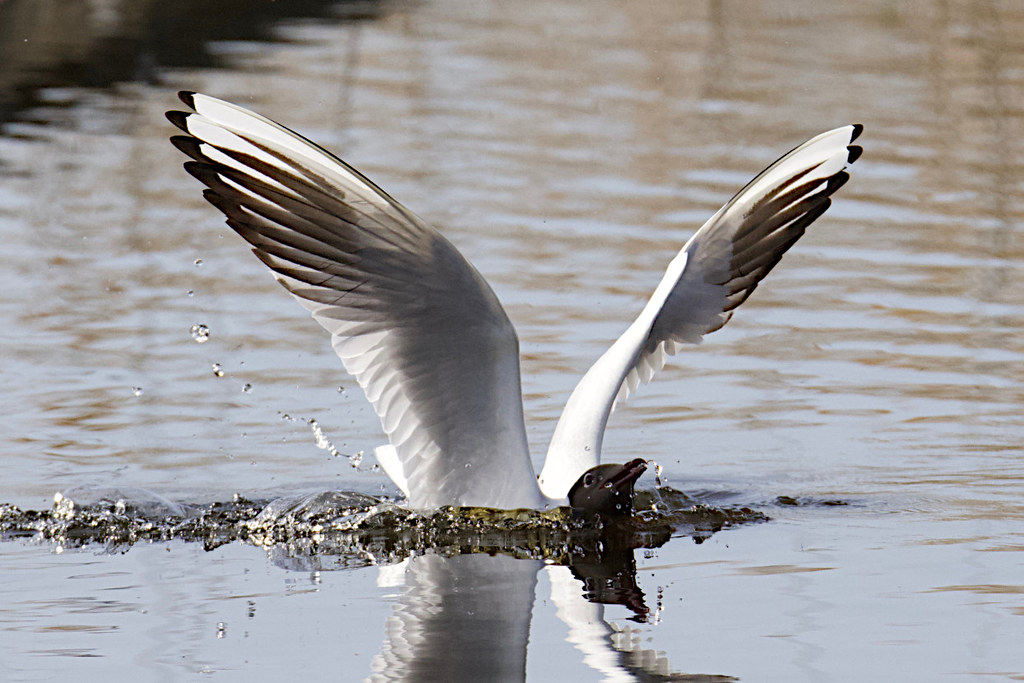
(767, 230)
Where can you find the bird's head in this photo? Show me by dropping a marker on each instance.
(607, 489)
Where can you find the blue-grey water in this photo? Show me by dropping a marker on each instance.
(568, 149)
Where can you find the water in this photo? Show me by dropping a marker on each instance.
(568, 149)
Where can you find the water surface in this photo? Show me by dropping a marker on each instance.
(568, 149)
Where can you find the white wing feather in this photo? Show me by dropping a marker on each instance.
(410, 318)
(739, 245)
(716, 270)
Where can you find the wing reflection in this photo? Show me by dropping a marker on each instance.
(609, 648)
(462, 618)
(467, 618)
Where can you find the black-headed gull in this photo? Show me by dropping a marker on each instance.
(428, 340)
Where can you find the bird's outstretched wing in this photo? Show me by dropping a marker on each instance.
(716, 270)
(722, 264)
(410, 318)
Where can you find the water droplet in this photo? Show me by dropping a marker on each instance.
(200, 333)
(355, 459)
(218, 369)
(246, 388)
(198, 262)
(136, 391)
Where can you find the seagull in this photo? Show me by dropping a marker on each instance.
(425, 336)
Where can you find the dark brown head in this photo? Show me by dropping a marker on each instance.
(607, 489)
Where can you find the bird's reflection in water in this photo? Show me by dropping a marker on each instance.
(467, 617)
(465, 580)
(461, 618)
(607, 573)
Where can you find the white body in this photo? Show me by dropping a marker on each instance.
(424, 334)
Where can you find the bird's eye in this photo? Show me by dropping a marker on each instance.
(589, 479)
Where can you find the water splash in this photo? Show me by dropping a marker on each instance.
(63, 508)
(338, 530)
(322, 442)
(357, 529)
(654, 618)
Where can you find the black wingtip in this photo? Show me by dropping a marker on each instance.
(178, 118)
(837, 181)
(857, 130)
(203, 172)
(225, 206)
(264, 257)
(853, 153)
(189, 145)
(188, 97)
